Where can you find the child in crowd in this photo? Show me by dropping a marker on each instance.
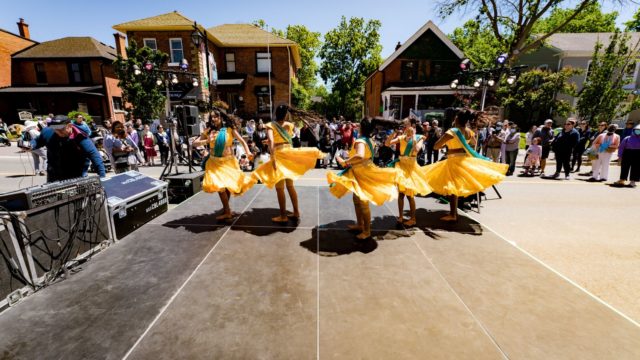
(244, 163)
(533, 157)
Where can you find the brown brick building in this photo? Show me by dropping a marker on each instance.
(59, 76)
(11, 43)
(244, 60)
(416, 77)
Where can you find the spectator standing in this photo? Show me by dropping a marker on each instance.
(68, 149)
(260, 138)
(31, 132)
(563, 146)
(604, 146)
(325, 147)
(585, 135)
(250, 128)
(346, 134)
(433, 135)
(629, 157)
(162, 139)
(503, 137)
(528, 138)
(120, 150)
(628, 130)
(511, 147)
(494, 144)
(545, 133)
(149, 141)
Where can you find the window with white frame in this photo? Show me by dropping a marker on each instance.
(150, 43)
(177, 54)
(230, 59)
(263, 62)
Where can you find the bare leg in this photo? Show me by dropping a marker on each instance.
(293, 195)
(356, 205)
(412, 211)
(282, 203)
(226, 210)
(400, 208)
(453, 206)
(366, 220)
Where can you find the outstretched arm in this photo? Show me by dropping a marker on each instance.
(244, 144)
(442, 141)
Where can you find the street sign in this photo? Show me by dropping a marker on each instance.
(25, 115)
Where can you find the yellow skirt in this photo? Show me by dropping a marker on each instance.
(291, 163)
(464, 175)
(368, 181)
(223, 173)
(412, 178)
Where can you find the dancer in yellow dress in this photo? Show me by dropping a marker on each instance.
(464, 172)
(222, 172)
(412, 178)
(367, 182)
(286, 163)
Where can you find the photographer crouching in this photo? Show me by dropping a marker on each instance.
(68, 150)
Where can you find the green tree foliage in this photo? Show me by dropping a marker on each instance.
(512, 22)
(591, 19)
(533, 97)
(146, 98)
(634, 23)
(309, 42)
(603, 98)
(300, 96)
(350, 52)
(478, 43)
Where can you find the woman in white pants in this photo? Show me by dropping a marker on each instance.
(604, 146)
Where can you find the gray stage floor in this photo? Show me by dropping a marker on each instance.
(184, 287)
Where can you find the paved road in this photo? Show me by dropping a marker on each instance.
(584, 231)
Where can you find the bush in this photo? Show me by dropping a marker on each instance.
(87, 118)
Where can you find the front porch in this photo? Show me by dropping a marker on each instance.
(401, 102)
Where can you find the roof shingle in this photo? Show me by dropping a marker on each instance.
(246, 35)
(69, 47)
(167, 21)
(583, 42)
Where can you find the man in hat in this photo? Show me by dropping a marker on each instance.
(69, 150)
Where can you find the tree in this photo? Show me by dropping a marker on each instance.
(309, 42)
(533, 97)
(603, 97)
(591, 19)
(478, 43)
(512, 22)
(350, 53)
(634, 23)
(141, 91)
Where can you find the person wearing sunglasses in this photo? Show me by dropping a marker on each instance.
(563, 146)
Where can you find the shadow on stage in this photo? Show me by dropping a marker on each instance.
(334, 239)
(429, 221)
(258, 222)
(198, 224)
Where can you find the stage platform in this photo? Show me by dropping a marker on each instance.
(184, 287)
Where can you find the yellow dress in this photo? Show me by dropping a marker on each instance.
(368, 181)
(412, 178)
(224, 172)
(462, 174)
(291, 163)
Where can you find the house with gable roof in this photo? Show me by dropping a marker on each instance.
(63, 75)
(575, 50)
(250, 68)
(416, 77)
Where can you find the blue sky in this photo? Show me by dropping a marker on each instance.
(49, 19)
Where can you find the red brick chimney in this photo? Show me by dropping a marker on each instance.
(398, 46)
(23, 28)
(121, 45)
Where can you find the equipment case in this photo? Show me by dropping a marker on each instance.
(134, 199)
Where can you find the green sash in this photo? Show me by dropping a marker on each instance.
(221, 142)
(368, 142)
(282, 131)
(407, 152)
(466, 146)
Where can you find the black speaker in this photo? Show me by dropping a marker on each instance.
(188, 118)
(184, 186)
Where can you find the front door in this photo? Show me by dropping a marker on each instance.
(395, 106)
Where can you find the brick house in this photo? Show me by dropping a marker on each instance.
(416, 77)
(241, 56)
(11, 43)
(62, 75)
